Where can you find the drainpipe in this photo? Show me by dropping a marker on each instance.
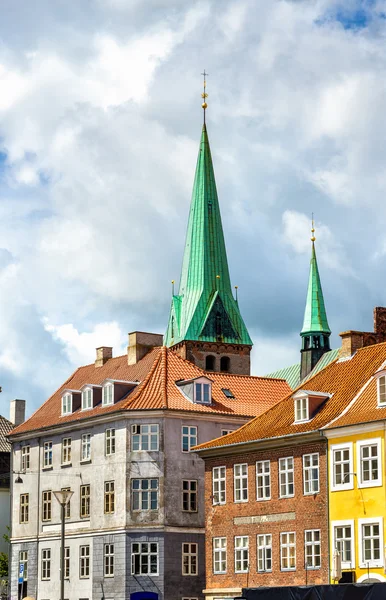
(327, 507)
(37, 524)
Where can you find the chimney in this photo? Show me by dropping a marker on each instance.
(103, 354)
(17, 412)
(140, 343)
(380, 322)
(351, 342)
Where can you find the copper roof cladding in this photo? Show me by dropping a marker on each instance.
(342, 379)
(157, 373)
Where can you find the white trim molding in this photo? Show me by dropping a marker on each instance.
(365, 564)
(367, 576)
(373, 482)
(349, 485)
(347, 523)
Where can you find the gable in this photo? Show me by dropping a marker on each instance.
(218, 324)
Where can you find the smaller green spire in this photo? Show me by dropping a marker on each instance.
(315, 317)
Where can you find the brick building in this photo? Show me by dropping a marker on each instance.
(266, 490)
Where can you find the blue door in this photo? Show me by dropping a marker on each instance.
(144, 596)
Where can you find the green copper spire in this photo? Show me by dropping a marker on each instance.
(315, 317)
(205, 309)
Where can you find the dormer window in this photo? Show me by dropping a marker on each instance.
(301, 409)
(107, 394)
(86, 398)
(202, 392)
(382, 390)
(66, 404)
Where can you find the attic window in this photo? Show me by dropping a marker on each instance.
(382, 390)
(227, 393)
(202, 393)
(107, 394)
(66, 404)
(301, 409)
(86, 398)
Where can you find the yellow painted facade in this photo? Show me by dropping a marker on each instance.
(357, 507)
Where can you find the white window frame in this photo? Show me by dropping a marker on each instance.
(66, 451)
(227, 431)
(308, 474)
(239, 479)
(25, 456)
(67, 562)
(66, 404)
(219, 545)
(264, 552)
(202, 392)
(361, 444)
(108, 394)
(109, 441)
(219, 484)
(346, 564)
(261, 480)
(288, 473)
(285, 550)
(46, 564)
(109, 497)
(139, 433)
(313, 544)
(189, 559)
(84, 562)
(139, 553)
(243, 551)
(350, 479)
(108, 560)
(372, 563)
(301, 409)
(190, 436)
(47, 454)
(87, 398)
(379, 378)
(85, 454)
(144, 494)
(24, 508)
(23, 560)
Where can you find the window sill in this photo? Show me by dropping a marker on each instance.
(369, 484)
(263, 500)
(240, 501)
(376, 564)
(265, 571)
(85, 518)
(108, 576)
(194, 512)
(65, 465)
(86, 461)
(342, 488)
(289, 569)
(47, 468)
(286, 498)
(311, 493)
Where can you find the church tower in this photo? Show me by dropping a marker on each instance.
(205, 324)
(315, 333)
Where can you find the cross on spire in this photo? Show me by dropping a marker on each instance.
(204, 95)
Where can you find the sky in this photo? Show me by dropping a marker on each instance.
(100, 121)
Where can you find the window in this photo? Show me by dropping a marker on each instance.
(202, 393)
(312, 549)
(382, 390)
(24, 508)
(46, 506)
(264, 553)
(210, 362)
(263, 480)
(218, 480)
(66, 451)
(226, 431)
(286, 477)
(67, 562)
(225, 364)
(311, 473)
(342, 467)
(110, 441)
(86, 398)
(301, 409)
(189, 495)
(66, 404)
(25, 456)
(144, 558)
(67, 508)
(109, 560)
(189, 559)
(144, 494)
(241, 554)
(109, 497)
(343, 535)
(369, 461)
(84, 562)
(46, 563)
(227, 393)
(287, 551)
(23, 560)
(241, 482)
(189, 438)
(219, 555)
(86, 446)
(371, 542)
(107, 394)
(47, 458)
(144, 437)
(85, 501)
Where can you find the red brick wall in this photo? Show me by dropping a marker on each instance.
(310, 511)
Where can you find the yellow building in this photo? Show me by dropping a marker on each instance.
(356, 481)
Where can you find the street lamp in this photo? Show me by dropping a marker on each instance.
(63, 497)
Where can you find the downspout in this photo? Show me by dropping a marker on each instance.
(10, 519)
(37, 525)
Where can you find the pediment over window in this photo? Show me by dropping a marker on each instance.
(197, 390)
(307, 403)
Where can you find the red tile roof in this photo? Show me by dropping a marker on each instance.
(157, 373)
(344, 380)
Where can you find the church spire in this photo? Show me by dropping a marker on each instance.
(205, 310)
(315, 332)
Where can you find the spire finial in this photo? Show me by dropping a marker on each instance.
(204, 95)
(172, 287)
(236, 288)
(313, 238)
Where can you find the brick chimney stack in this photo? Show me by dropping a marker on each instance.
(103, 354)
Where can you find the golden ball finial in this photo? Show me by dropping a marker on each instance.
(204, 105)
